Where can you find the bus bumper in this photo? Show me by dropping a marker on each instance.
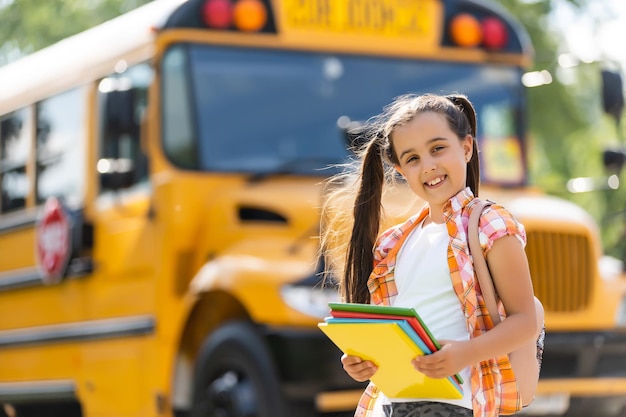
(310, 369)
(583, 373)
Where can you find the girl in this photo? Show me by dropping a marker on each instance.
(424, 263)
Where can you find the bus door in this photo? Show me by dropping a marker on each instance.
(126, 256)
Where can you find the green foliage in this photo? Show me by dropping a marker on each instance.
(567, 128)
(29, 25)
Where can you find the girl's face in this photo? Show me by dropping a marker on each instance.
(432, 158)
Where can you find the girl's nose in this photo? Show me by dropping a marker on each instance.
(429, 167)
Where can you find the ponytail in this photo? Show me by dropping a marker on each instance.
(367, 216)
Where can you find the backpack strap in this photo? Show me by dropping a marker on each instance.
(480, 263)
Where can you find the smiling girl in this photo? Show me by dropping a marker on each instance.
(425, 264)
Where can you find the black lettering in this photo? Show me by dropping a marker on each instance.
(418, 20)
(298, 12)
(376, 15)
(387, 16)
(368, 19)
(351, 12)
(414, 22)
(324, 12)
(310, 13)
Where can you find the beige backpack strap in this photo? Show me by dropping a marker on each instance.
(480, 263)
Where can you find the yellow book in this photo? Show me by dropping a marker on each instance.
(387, 344)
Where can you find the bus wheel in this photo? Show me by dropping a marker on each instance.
(235, 375)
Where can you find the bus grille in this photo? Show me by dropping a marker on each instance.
(561, 266)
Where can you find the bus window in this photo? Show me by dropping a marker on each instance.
(292, 102)
(60, 147)
(178, 133)
(501, 155)
(15, 148)
(123, 99)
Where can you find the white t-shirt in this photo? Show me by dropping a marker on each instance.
(423, 280)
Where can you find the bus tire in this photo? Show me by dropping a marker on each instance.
(235, 375)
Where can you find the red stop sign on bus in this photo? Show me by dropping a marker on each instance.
(53, 245)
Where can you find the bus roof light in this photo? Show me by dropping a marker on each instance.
(495, 35)
(465, 30)
(250, 15)
(217, 14)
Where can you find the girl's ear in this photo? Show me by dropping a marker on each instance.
(468, 147)
(397, 167)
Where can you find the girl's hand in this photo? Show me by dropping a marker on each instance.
(449, 360)
(357, 368)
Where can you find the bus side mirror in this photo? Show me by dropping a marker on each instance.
(120, 114)
(613, 159)
(117, 166)
(612, 94)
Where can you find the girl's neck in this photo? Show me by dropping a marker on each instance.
(435, 215)
(435, 209)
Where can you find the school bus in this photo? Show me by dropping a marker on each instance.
(161, 181)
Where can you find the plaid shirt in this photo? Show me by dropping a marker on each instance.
(494, 388)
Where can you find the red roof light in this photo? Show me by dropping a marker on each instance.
(495, 35)
(217, 14)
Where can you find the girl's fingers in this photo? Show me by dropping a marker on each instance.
(359, 369)
(440, 364)
(350, 359)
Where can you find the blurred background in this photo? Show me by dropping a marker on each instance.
(573, 40)
(212, 275)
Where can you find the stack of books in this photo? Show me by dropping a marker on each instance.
(390, 337)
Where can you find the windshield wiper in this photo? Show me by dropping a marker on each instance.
(295, 166)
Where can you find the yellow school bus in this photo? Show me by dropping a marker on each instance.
(161, 182)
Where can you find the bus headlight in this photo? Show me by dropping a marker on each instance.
(610, 268)
(312, 301)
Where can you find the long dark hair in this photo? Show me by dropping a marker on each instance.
(377, 158)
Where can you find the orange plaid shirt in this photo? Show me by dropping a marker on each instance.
(494, 388)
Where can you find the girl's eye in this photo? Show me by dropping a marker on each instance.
(438, 148)
(411, 159)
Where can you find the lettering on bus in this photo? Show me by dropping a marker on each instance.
(389, 18)
(309, 13)
(370, 14)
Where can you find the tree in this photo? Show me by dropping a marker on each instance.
(567, 126)
(29, 25)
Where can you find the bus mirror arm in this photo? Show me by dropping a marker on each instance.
(143, 133)
(613, 160)
(116, 173)
(612, 94)
(354, 132)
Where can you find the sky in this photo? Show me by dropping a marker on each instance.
(589, 41)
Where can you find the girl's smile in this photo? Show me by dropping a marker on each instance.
(435, 182)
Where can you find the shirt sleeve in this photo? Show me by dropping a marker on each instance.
(497, 222)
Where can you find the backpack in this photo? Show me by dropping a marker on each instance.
(526, 360)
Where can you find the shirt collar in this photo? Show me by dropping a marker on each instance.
(457, 203)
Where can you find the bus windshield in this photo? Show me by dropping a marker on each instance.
(271, 111)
